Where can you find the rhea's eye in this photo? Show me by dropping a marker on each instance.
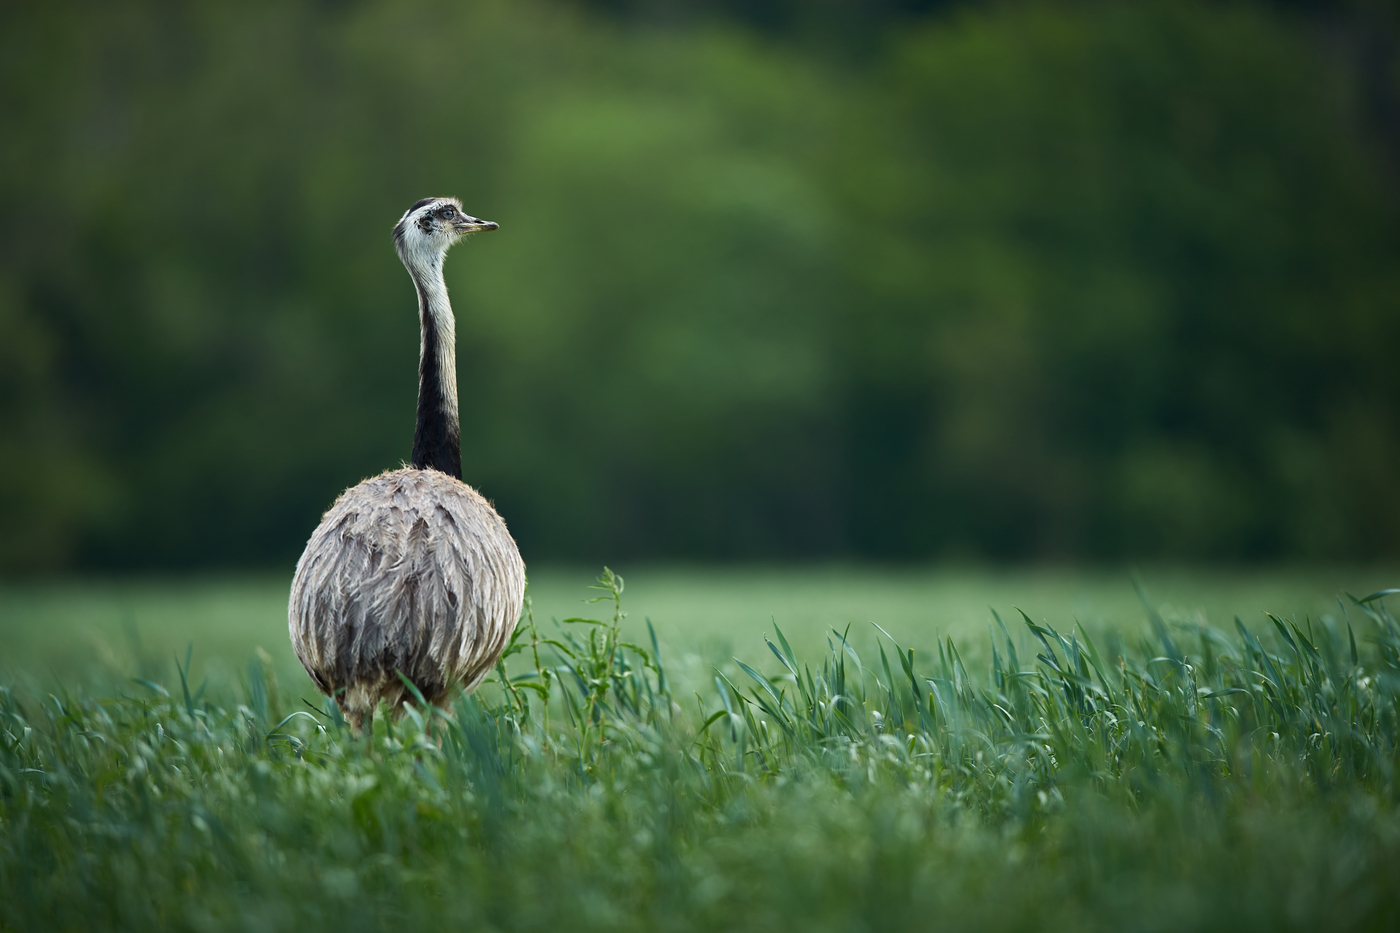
(447, 213)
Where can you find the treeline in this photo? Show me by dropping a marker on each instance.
(1016, 280)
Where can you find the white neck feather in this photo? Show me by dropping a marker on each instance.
(436, 312)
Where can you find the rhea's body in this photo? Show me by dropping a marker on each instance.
(412, 574)
(411, 571)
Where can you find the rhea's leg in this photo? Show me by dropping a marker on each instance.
(361, 722)
(433, 712)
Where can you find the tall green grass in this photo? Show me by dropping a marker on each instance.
(1202, 778)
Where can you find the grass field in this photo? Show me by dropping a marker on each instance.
(1143, 770)
(56, 631)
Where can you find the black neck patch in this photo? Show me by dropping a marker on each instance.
(437, 438)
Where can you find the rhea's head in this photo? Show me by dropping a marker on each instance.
(432, 225)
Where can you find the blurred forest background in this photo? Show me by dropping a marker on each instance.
(885, 280)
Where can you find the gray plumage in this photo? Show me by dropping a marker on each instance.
(412, 571)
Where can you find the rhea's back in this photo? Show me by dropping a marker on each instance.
(409, 571)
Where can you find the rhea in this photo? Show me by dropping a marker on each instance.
(411, 577)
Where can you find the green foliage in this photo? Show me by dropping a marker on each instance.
(1024, 279)
(1204, 778)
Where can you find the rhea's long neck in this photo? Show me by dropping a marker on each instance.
(437, 439)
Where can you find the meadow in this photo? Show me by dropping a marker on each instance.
(900, 283)
(710, 749)
(91, 627)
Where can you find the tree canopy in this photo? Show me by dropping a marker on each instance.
(1010, 280)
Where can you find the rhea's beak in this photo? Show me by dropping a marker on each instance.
(474, 225)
